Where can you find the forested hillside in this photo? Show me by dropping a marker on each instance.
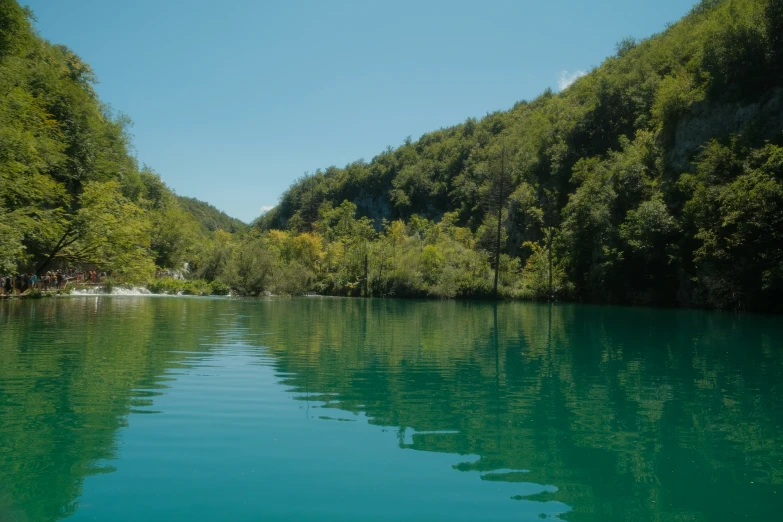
(654, 179)
(210, 218)
(70, 192)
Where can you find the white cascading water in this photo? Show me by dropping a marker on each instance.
(100, 290)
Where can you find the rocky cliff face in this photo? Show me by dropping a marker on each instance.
(375, 206)
(761, 120)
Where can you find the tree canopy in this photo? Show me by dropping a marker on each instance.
(70, 191)
(653, 179)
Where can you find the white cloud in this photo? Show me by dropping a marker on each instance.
(266, 208)
(567, 78)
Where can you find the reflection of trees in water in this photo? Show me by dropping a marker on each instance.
(647, 414)
(67, 382)
(633, 414)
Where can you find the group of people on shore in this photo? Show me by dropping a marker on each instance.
(52, 280)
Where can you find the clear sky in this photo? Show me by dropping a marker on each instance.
(234, 100)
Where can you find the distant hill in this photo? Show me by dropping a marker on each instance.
(210, 218)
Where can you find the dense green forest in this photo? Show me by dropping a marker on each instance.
(71, 194)
(210, 218)
(655, 179)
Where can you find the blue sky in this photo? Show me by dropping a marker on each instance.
(232, 101)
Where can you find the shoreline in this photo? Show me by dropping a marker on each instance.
(100, 290)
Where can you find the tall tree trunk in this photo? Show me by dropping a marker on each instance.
(497, 250)
(499, 203)
(549, 255)
(366, 274)
(550, 201)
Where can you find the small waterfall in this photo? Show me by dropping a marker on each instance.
(117, 290)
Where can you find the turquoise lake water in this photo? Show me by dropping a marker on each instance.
(317, 409)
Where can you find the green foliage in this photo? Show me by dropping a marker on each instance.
(212, 256)
(251, 268)
(737, 52)
(587, 236)
(173, 236)
(71, 194)
(736, 212)
(170, 286)
(674, 97)
(219, 288)
(649, 228)
(107, 231)
(588, 189)
(586, 194)
(209, 218)
(536, 276)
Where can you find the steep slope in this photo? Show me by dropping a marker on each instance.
(70, 192)
(656, 178)
(209, 218)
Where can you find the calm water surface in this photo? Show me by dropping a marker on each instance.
(192, 409)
